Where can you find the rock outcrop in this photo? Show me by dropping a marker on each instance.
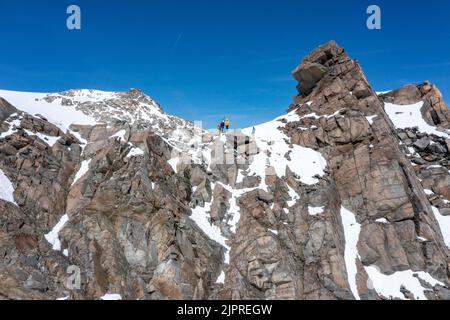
(341, 198)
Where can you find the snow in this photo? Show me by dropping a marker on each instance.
(6, 188)
(428, 192)
(200, 217)
(382, 92)
(304, 162)
(435, 166)
(382, 220)
(409, 116)
(386, 285)
(33, 103)
(173, 163)
(240, 177)
(82, 171)
(53, 236)
(12, 125)
(314, 211)
(120, 134)
(235, 210)
(294, 196)
(221, 278)
(109, 296)
(316, 116)
(389, 285)
(352, 230)
(370, 119)
(80, 138)
(64, 298)
(48, 139)
(134, 152)
(444, 224)
(273, 231)
(15, 124)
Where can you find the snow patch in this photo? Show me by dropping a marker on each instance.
(53, 236)
(304, 162)
(294, 196)
(47, 139)
(173, 163)
(409, 116)
(134, 152)
(352, 230)
(221, 278)
(6, 189)
(370, 119)
(120, 134)
(200, 217)
(314, 211)
(389, 285)
(13, 125)
(444, 224)
(84, 168)
(109, 296)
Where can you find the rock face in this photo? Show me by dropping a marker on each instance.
(339, 199)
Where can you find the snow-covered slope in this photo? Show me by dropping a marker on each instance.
(409, 116)
(35, 104)
(277, 152)
(90, 107)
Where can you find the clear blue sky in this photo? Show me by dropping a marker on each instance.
(204, 59)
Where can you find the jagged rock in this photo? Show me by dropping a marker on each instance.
(408, 94)
(158, 209)
(6, 109)
(422, 144)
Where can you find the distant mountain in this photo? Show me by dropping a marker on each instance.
(347, 196)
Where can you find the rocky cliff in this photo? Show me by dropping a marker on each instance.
(347, 196)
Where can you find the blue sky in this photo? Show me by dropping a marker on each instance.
(205, 59)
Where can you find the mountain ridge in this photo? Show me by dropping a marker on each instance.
(337, 199)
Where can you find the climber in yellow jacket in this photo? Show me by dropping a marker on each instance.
(227, 124)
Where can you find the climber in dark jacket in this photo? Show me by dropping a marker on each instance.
(221, 126)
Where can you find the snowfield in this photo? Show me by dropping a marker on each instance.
(59, 115)
(409, 116)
